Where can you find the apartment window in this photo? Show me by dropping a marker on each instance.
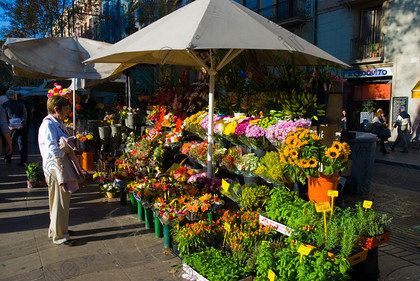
(370, 24)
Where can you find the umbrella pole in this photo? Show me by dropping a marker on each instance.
(210, 124)
(74, 81)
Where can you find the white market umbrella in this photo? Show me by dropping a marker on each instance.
(190, 35)
(58, 57)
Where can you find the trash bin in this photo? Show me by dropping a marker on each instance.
(363, 147)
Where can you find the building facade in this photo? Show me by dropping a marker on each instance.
(379, 39)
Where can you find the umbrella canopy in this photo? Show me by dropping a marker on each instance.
(60, 57)
(190, 35)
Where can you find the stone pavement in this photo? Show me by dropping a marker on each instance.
(113, 245)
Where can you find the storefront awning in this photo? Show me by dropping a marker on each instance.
(415, 92)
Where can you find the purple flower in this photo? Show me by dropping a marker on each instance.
(278, 132)
(205, 122)
(254, 131)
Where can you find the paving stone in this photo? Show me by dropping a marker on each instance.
(390, 263)
(411, 272)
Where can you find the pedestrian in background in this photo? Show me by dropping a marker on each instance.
(17, 116)
(5, 137)
(55, 155)
(379, 127)
(403, 125)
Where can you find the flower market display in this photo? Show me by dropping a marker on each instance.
(225, 228)
(270, 210)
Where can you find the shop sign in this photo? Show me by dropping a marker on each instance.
(367, 73)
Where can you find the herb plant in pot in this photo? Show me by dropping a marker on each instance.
(32, 174)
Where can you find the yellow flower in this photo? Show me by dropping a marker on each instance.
(294, 154)
(332, 153)
(312, 163)
(230, 128)
(89, 136)
(303, 163)
(337, 145)
(282, 158)
(290, 139)
(315, 137)
(286, 151)
(304, 134)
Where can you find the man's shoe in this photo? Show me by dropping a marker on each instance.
(68, 243)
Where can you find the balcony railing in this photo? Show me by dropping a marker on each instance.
(287, 12)
(367, 49)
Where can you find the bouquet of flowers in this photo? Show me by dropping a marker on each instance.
(303, 155)
(86, 142)
(278, 132)
(247, 163)
(192, 124)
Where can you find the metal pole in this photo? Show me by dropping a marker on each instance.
(129, 90)
(74, 82)
(210, 125)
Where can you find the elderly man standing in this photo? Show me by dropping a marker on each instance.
(17, 116)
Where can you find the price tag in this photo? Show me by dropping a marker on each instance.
(323, 207)
(271, 275)
(332, 193)
(225, 185)
(304, 250)
(367, 204)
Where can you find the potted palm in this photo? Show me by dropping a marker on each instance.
(32, 174)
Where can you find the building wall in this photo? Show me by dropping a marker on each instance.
(402, 47)
(335, 30)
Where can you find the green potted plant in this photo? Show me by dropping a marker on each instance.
(32, 174)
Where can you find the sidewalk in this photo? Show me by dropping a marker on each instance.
(411, 159)
(111, 243)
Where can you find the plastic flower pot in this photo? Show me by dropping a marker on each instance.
(166, 236)
(87, 161)
(148, 218)
(318, 187)
(133, 203)
(140, 211)
(158, 227)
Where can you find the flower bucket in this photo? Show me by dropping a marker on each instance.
(104, 133)
(318, 187)
(129, 121)
(115, 130)
(158, 227)
(87, 161)
(133, 203)
(140, 211)
(123, 194)
(166, 236)
(148, 218)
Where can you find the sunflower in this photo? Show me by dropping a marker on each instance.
(282, 158)
(332, 153)
(294, 154)
(303, 163)
(312, 163)
(286, 151)
(315, 137)
(296, 143)
(304, 134)
(289, 139)
(337, 145)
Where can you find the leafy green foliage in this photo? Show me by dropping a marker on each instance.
(214, 265)
(254, 197)
(32, 171)
(371, 222)
(302, 105)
